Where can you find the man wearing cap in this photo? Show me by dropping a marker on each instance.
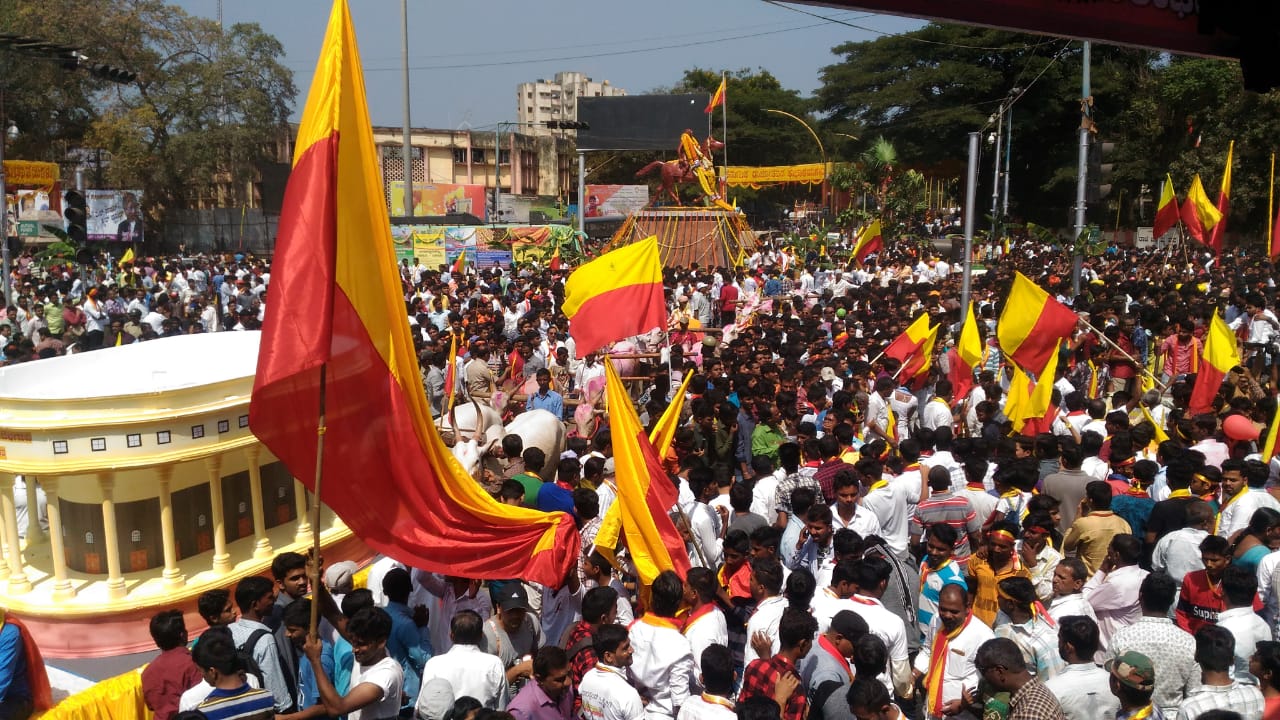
(1133, 679)
(513, 634)
(1215, 652)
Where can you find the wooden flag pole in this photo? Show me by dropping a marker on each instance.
(1141, 367)
(315, 509)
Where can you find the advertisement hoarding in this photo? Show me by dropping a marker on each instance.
(30, 210)
(616, 200)
(439, 199)
(114, 215)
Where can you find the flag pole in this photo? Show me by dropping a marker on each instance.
(1271, 201)
(724, 133)
(315, 508)
(1121, 350)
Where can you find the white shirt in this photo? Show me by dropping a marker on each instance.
(1084, 692)
(960, 671)
(1074, 604)
(387, 675)
(1178, 553)
(607, 695)
(1248, 630)
(709, 629)
(762, 495)
(1095, 467)
(471, 673)
(765, 619)
(887, 626)
(1235, 516)
(889, 505)
(1266, 588)
(825, 605)
(935, 414)
(863, 522)
(877, 412)
(695, 708)
(663, 666)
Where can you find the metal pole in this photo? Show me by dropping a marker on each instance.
(1008, 157)
(5, 260)
(408, 142)
(995, 176)
(970, 207)
(1082, 173)
(497, 174)
(582, 191)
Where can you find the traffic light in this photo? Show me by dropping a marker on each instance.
(1100, 171)
(77, 213)
(109, 72)
(568, 125)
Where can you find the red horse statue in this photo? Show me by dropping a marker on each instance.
(692, 158)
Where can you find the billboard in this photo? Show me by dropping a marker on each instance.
(30, 210)
(639, 122)
(439, 199)
(616, 200)
(424, 242)
(114, 215)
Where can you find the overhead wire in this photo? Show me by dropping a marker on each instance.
(904, 35)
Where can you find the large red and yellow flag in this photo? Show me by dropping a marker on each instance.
(1224, 204)
(1032, 324)
(1166, 211)
(664, 431)
(615, 296)
(336, 330)
(964, 357)
(1220, 354)
(645, 494)
(1199, 214)
(914, 349)
(870, 240)
(1269, 444)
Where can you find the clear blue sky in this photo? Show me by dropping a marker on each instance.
(524, 40)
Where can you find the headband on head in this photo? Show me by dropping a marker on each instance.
(1003, 533)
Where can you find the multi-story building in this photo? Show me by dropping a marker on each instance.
(524, 166)
(557, 99)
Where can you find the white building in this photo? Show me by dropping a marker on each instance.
(557, 99)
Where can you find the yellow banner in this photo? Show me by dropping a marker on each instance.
(812, 174)
(30, 173)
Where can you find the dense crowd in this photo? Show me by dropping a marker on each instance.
(863, 546)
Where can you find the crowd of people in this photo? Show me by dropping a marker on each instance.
(861, 546)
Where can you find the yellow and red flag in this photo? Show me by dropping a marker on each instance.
(1198, 213)
(615, 296)
(645, 494)
(459, 265)
(914, 349)
(1269, 445)
(1032, 324)
(717, 99)
(664, 431)
(964, 357)
(1220, 354)
(1224, 204)
(870, 240)
(1166, 211)
(336, 330)
(556, 263)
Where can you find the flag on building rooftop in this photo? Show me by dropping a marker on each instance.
(615, 296)
(1032, 324)
(335, 330)
(1220, 354)
(1166, 211)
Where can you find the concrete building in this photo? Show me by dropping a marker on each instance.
(557, 99)
(544, 166)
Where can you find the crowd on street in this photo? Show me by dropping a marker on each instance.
(863, 545)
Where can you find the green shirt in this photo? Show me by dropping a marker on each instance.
(766, 441)
(531, 485)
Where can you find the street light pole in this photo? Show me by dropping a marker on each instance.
(5, 261)
(408, 141)
(970, 207)
(995, 174)
(1082, 173)
(822, 150)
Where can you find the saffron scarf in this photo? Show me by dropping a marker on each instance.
(938, 656)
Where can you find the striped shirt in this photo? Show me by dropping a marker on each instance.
(949, 509)
(242, 703)
(1236, 697)
(931, 583)
(1038, 641)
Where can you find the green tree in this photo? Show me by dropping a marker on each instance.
(207, 105)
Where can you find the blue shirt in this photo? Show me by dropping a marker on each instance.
(551, 402)
(931, 588)
(408, 647)
(553, 498)
(13, 665)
